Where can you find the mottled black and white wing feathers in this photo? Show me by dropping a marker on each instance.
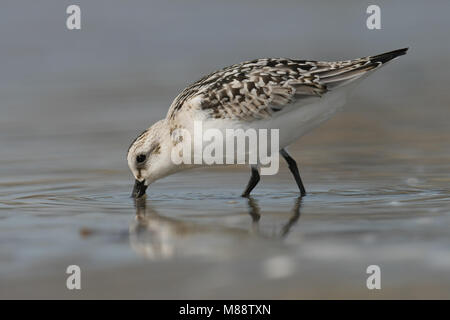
(260, 88)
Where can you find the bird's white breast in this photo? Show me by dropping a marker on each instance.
(295, 121)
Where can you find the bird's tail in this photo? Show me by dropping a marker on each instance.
(343, 72)
(388, 56)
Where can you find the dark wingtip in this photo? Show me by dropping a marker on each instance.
(387, 56)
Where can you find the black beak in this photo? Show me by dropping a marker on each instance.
(138, 189)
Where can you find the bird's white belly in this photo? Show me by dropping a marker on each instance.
(292, 123)
(299, 120)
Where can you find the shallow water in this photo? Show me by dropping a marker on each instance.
(377, 175)
(369, 202)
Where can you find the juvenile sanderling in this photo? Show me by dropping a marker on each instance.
(291, 95)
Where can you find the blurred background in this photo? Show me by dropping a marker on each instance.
(72, 101)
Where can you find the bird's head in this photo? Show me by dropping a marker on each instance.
(149, 157)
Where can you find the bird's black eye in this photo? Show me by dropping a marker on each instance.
(141, 158)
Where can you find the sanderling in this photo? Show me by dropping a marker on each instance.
(291, 95)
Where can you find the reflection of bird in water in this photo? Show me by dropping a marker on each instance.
(155, 236)
(254, 212)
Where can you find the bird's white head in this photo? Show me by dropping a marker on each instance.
(149, 157)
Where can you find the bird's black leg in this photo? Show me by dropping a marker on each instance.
(254, 179)
(293, 167)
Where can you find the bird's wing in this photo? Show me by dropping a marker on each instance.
(260, 88)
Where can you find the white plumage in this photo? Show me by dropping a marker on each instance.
(291, 95)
